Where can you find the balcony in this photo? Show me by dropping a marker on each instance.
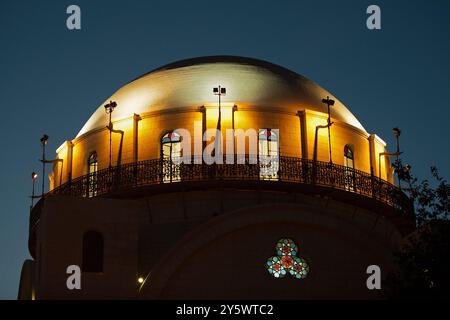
(144, 178)
(293, 174)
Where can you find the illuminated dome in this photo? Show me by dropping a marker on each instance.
(128, 201)
(189, 83)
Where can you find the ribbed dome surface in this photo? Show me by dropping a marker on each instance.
(189, 83)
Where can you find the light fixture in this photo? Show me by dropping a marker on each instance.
(397, 132)
(109, 107)
(44, 139)
(223, 91)
(140, 280)
(34, 176)
(328, 101)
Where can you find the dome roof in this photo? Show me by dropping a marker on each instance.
(189, 83)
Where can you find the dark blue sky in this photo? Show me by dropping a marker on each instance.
(52, 79)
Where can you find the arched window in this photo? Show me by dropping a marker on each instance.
(268, 154)
(349, 165)
(92, 177)
(348, 157)
(170, 156)
(92, 252)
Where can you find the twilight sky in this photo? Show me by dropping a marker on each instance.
(52, 79)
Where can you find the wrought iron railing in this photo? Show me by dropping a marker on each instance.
(289, 170)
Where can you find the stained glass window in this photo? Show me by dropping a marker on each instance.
(286, 261)
(268, 154)
(275, 268)
(171, 137)
(171, 153)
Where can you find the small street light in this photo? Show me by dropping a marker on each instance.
(397, 153)
(109, 108)
(219, 91)
(33, 179)
(44, 141)
(329, 102)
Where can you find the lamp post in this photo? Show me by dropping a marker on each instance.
(397, 153)
(397, 133)
(33, 179)
(329, 102)
(44, 141)
(109, 108)
(219, 91)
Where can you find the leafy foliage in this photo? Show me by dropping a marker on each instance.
(424, 264)
(430, 203)
(424, 257)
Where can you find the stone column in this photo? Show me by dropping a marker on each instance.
(303, 134)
